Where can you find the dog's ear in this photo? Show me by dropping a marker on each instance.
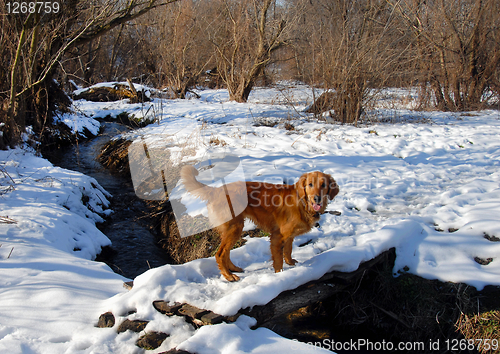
(333, 188)
(301, 186)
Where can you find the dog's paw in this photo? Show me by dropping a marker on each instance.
(231, 277)
(291, 262)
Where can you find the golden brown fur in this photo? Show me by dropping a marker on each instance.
(284, 211)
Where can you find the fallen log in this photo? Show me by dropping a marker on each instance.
(311, 292)
(115, 93)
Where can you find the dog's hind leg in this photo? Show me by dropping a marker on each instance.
(222, 258)
(230, 234)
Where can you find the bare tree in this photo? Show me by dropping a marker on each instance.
(351, 48)
(184, 52)
(245, 35)
(42, 39)
(127, 51)
(458, 47)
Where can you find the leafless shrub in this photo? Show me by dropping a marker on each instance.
(350, 47)
(457, 46)
(245, 37)
(185, 53)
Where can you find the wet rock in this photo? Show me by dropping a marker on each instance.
(212, 318)
(194, 315)
(167, 308)
(192, 311)
(151, 340)
(134, 326)
(483, 261)
(176, 351)
(106, 320)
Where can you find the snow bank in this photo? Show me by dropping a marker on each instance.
(428, 186)
(48, 282)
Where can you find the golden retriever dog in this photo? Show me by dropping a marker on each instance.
(283, 211)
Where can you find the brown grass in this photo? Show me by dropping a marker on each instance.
(114, 155)
(482, 329)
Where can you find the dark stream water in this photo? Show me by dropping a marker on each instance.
(133, 249)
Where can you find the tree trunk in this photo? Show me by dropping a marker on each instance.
(243, 90)
(239, 77)
(15, 121)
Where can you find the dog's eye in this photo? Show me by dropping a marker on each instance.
(323, 185)
(310, 184)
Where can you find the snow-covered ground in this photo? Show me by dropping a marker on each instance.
(428, 185)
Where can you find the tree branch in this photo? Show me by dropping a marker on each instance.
(125, 17)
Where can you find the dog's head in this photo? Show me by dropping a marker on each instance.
(316, 188)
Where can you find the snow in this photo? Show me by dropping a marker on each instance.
(238, 338)
(427, 184)
(47, 279)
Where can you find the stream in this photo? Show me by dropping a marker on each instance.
(133, 249)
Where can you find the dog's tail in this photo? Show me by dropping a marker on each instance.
(194, 187)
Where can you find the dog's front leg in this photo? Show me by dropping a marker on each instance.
(277, 251)
(287, 250)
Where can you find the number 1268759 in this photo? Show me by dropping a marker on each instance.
(30, 7)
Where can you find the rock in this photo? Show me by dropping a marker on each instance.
(165, 308)
(195, 315)
(151, 340)
(483, 261)
(491, 238)
(335, 212)
(232, 318)
(134, 326)
(106, 320)
(192, 311)
(211, 318)
(176, 351)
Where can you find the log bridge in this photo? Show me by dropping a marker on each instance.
(266, 315)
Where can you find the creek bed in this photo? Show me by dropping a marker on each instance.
(134, 249)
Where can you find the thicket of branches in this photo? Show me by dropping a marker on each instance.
(450, 49)
(457, 49)
(36, 43)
